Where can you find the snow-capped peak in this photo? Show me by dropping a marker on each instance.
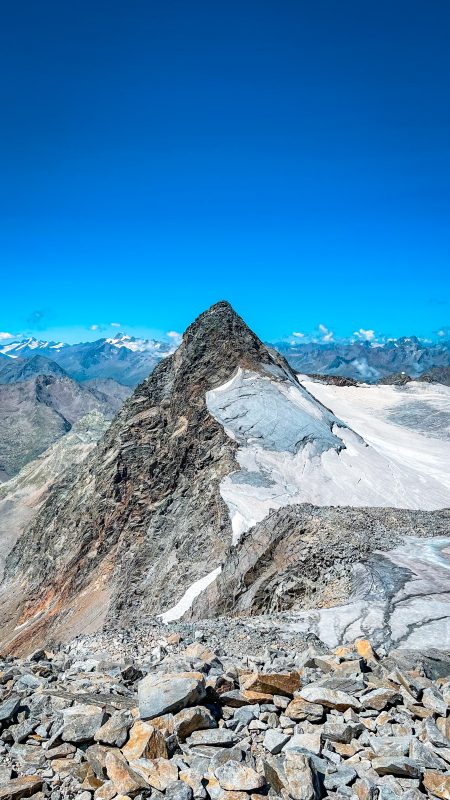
(135, 344)
(25, 346)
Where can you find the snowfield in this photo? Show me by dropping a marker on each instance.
(328, 445)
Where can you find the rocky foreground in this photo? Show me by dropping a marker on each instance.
(177, 719)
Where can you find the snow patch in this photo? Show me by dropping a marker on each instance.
(193, 591)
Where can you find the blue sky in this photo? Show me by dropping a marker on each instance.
(292, 157)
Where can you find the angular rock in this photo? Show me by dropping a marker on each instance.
(96, 757)
(274, 741)
(401, 766)
(236, 776)
(158, 773)
(218, 737)
(331, 698)
(160, 694)
(343, 775)
(115, 730)
(299, 709)
(25, 786)
(81, 722)
(380, 698)
(283, 683)
(179, 791)
(311, 742)
(425, 756)
(9, 708)
(384, 746)
(192, 719)
(145, 742)
(433, 699)
(437, 784)
(122, 776)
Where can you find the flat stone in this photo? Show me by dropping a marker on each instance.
(299, 709)
(158, 773)
(343, 775)
(62, 751)
(331, 698)
(283, 683)
(192, 719)
(384, 746)
(68, 768)
(217, 737)
(401, 766)
(234, 698)
(81, 722)
(378, 699)
(237, 776)
(437, 784)
(145, 742)
(304, 741)
(115, 730)
(21, 787)
(274, 741)
(159, 694)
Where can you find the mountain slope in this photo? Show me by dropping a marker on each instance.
(24, 369)
(219, 434)
(22, 496)
(35, 413)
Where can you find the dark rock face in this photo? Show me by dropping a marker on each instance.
(437, 375)
(144, 517)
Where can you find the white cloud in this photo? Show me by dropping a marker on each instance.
(327, 335)
(115, 324)
(4, 335)
(94, 327)
(297, 334)
(176, 337)
(365, 335)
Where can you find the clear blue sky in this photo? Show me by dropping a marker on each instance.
(290, 156)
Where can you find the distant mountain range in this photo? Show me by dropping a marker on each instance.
(367, 361)
(129, 360)
(123, 358)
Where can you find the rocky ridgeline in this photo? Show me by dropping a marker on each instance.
(188, 722)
